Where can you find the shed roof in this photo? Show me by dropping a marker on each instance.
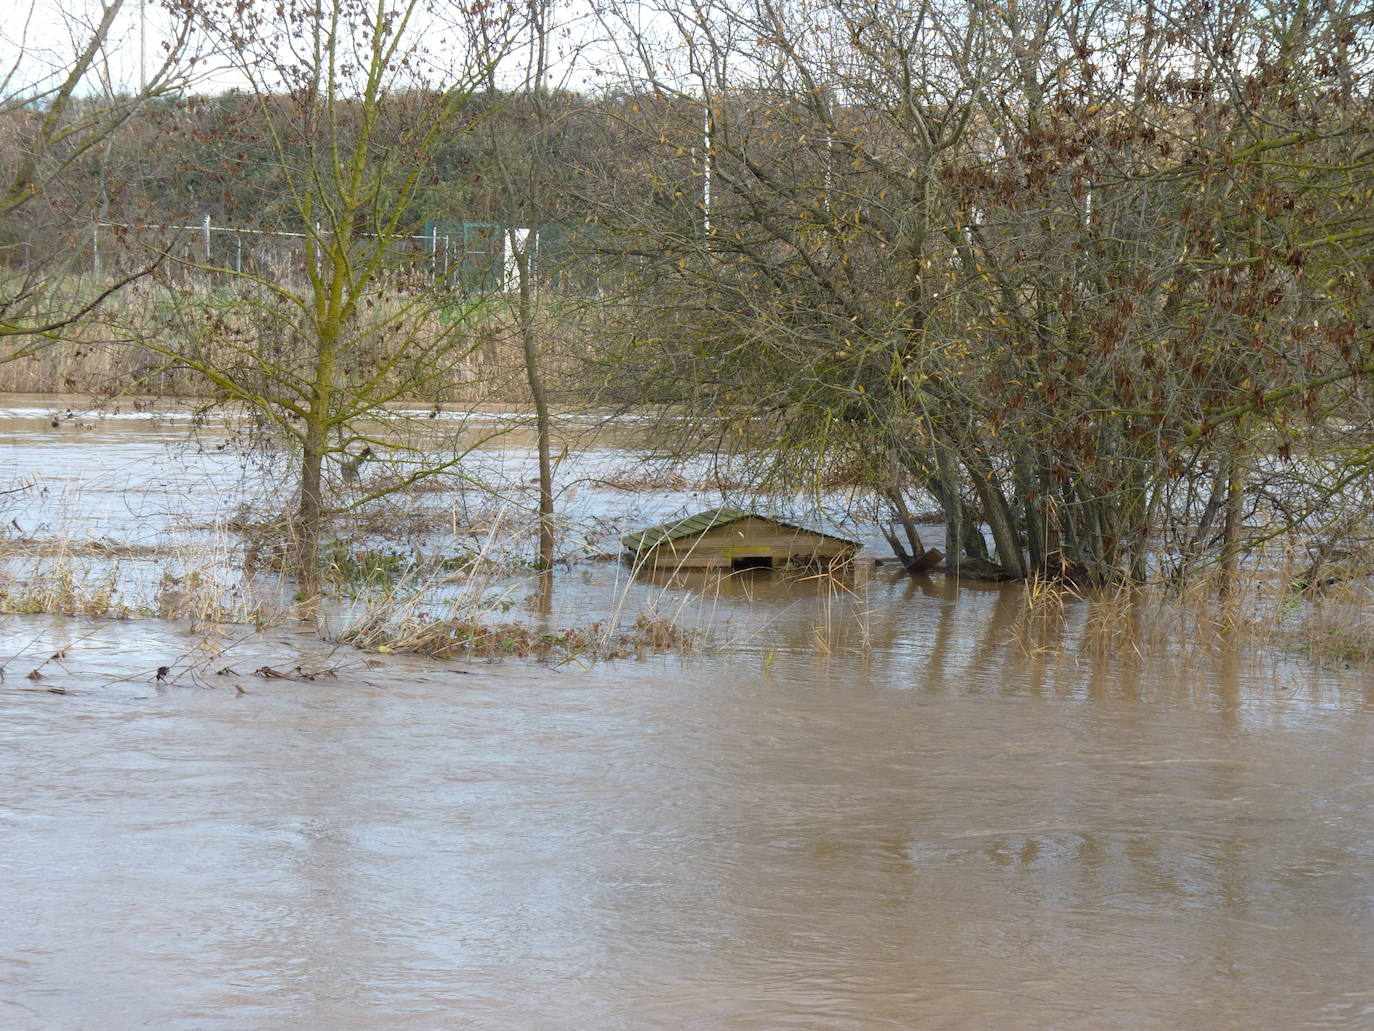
(690, 526)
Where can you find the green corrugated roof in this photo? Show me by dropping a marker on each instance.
(677, 529)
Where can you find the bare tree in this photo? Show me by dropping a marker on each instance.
(526, 167)
(60, 103)
(353, 110)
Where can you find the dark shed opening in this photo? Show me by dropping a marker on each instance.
(752, 562)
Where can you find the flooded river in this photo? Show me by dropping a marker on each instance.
(878, 812)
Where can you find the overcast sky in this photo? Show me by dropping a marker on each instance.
(39, 37)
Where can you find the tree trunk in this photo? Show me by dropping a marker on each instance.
(1103, 562)
(1028, 495)
(1230, 534)
(305, 564)
(539, 396)
(908, 525)
(310, 510)
(1000, 520)
(1140, 545)
(543, 430)
(962, 537)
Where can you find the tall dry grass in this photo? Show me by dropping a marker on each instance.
(1273, 608)
(107, 354)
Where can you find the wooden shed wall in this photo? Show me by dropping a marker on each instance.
(751, 538)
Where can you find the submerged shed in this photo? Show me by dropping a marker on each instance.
(731, 538)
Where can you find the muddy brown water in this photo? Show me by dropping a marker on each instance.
(888, 818)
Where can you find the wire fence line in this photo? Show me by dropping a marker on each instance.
(459, 255)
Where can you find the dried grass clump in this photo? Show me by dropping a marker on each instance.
(475, 589)
(67, 589)
(204, 584)
(1275, 607)
(62, 547)
(210, 596)
(1040, 624)
(470, 638)
(1337, 625)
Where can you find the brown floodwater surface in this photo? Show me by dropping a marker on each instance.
(948, 836)
(885, 802)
